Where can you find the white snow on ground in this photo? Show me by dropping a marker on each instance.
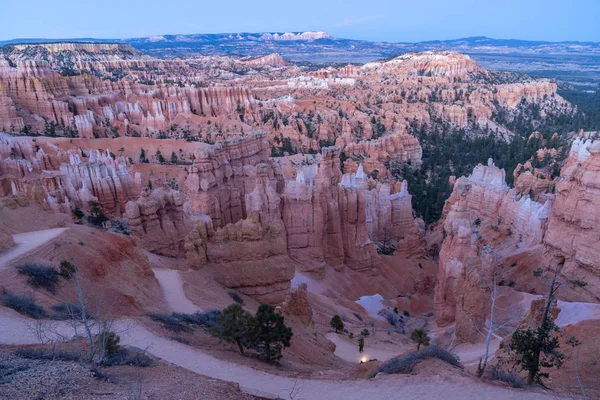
(574, 312)
(172, 288)
(312, 285)
(372, 304)
(25, 242)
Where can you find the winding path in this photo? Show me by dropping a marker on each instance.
(15, 329)
(172, 288)
(28, 241)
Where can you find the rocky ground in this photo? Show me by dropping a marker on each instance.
(22, 378)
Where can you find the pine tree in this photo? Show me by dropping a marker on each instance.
(236, 325)
(337, 323)
(420, 337)
(272, 333)
(537, 348)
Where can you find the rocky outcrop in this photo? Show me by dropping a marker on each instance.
(156, 221)
(271, 60)
(297, 305)
(249, 254)
(334, 219)
(481, 216)
(439, 64)
(6, 240)
(64, 180)
(572, 241)
(222, 175)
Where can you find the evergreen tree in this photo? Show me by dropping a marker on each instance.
(236, 325)
(337, 323)
(537, 348)
(420, 337)
(272, 333)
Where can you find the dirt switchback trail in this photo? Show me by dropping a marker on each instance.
(28, 241)
(18, 330)
(273, 386)
(172, 288)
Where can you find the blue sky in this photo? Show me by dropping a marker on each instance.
(383, 20)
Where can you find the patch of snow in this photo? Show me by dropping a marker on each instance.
(372, 304)
(574, 312)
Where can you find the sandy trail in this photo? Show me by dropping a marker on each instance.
(172, 288)
(16, 329)
(348, 351)
(28, 241)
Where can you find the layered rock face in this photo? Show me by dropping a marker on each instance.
(249, 254)
(483, 215)
(334, 219)
(86, 106)
(250, 215)
(573, 238)
(222, 175)
(62, 180)
(156, 220)
(296, 304)
(483, 220)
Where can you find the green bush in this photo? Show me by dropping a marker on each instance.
(67, 270)
(170, 322)
(236, 325)
(40, 276)
(406, 364)
(23, 305)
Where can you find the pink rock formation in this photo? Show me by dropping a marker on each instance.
(61, 180)
(481, 216)
(573, 237)
(249, 254)
(156, 220)
(222, 175)
(296, 304)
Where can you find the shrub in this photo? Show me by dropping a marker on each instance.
(206, 319)
(406, 364)
(128, 356)
(67, 270)
(337, 323)
(394, 319)
(23, 305)
(170, 322)
(40, 276)
(7, 370)
(420, 337)
(365, 332)
(68, 311)
(236, 297)
(498, 374)
(111, 343)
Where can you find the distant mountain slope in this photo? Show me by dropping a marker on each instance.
(574, 62)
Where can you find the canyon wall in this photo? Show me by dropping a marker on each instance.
(485, 221)
(64, 180)
(573, 239)
(156, 219)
